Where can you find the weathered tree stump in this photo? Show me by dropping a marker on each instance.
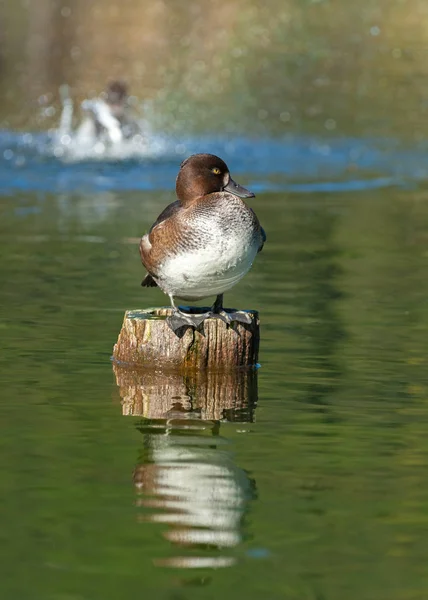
(147, 341)
(207, 395)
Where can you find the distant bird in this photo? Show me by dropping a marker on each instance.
(106, 118)
(110, 114)
(205, 242)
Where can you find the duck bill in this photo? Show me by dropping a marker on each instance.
(238, 190)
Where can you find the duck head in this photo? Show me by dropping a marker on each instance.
(116, 92)
(203, 174)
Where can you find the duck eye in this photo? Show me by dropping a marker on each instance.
(216, 171)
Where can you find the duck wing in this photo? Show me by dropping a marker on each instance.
(168, 212)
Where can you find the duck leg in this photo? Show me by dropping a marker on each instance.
(218, 304)
(228, 316)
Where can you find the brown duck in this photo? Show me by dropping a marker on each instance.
(203, 243)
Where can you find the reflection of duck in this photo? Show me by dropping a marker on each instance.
(185, 474)
(107, 119)
(195, 488)
(205, 242)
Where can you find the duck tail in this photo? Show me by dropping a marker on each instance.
(148, 281)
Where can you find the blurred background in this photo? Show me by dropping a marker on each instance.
(306, 480)
(302, 65)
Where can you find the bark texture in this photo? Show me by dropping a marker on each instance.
(147, 341)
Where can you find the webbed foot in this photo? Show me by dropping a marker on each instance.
(179, 319)
(229, 315)
(235, 315)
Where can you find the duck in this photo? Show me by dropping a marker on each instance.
(110, 114)
(202, 244)
(107, 118)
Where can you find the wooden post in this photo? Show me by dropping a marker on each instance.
(147, 341)
(204, 395)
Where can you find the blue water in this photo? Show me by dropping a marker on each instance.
(30, 161)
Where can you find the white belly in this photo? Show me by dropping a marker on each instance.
(197, 274)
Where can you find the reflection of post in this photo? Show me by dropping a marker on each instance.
(213, 395)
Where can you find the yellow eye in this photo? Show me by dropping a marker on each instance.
(216, 171)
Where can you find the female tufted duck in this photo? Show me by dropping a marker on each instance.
(205, 242)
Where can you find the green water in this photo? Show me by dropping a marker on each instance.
(323, 495)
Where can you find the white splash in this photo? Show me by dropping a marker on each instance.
(101, 136)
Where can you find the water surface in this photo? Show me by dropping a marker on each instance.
(308, 483)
